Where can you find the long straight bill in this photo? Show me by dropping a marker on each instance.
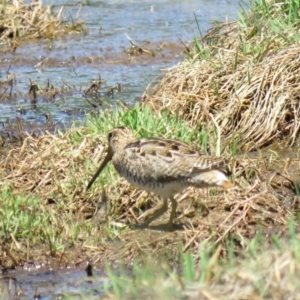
(103, 165)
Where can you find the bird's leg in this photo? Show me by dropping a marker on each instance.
(173, 212)
(157, 213)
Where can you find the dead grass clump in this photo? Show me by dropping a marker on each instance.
(48, 165)
(252, 99)
(30, 21)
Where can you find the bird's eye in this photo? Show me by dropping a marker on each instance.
(110, 136)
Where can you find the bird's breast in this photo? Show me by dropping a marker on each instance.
(146, 178)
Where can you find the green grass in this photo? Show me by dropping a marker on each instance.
(145, 123)
(269, 23)
(21, 217)
(262, 26)
(28, 223)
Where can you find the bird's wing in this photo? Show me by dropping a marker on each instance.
(169, 158)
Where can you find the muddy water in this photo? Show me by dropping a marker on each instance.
(71, 63)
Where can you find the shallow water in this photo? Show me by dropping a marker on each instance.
(77, 59)
(49, 284)
(71, 62)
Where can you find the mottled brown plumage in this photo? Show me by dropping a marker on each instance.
(162, 166)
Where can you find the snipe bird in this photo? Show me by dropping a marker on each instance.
(162, 166)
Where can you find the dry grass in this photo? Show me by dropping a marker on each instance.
(47, 165)
(55, 169)
(252, 98)
(30, 21)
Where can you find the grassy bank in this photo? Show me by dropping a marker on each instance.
(242, 77)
